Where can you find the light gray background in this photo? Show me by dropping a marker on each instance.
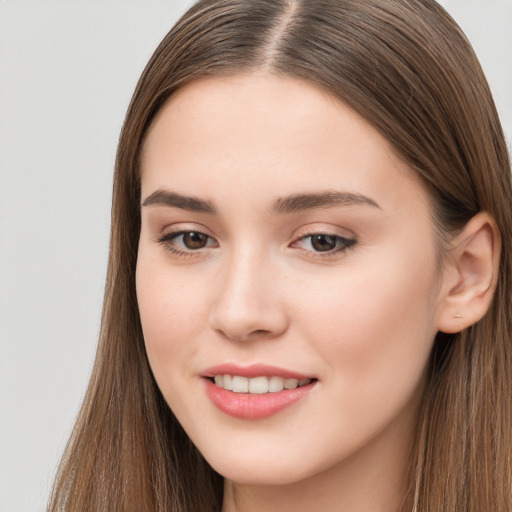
(67, 71)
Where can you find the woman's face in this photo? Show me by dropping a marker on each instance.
(284, 245)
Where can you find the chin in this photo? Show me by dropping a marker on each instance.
(258, 470)
(259, 476)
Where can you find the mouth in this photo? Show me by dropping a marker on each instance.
(257, 385)
(257, 391)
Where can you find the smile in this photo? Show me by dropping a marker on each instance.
(258, 385)
(257, 391)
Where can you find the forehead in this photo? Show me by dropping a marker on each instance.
(251, 134)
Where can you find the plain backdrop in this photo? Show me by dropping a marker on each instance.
(67, 71)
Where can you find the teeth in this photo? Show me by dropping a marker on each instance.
(291, 383)
(240, 384)
(275, 384)
(227, 382)
(257, 385)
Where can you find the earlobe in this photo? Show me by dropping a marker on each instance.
(470, 274)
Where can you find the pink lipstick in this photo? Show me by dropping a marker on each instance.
(256, 391)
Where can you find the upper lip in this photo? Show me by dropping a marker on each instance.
(253, 370)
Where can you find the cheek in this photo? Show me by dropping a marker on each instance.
(374, 328)
(172, 315)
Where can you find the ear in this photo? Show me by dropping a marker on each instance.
(470, 274)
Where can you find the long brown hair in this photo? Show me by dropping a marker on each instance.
(406, 67)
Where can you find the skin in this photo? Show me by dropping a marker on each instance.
(360, 319)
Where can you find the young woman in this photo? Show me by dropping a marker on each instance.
(308, 296)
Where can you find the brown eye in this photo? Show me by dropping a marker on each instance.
(194, 240)
(323, 243)
(184, 243)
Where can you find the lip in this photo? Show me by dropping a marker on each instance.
(254, 406)
(253, 370)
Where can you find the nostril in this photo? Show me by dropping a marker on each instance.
(246, 320)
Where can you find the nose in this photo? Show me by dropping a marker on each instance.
(248, 303)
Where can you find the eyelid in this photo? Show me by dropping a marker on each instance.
(348, 242)
(185, 227)
(343, 242)
(170, 233)
(323, 229)
(348, 238)
(175, 234)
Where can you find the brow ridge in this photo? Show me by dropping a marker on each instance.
(330, 198)
(172, 199)
(284, 205)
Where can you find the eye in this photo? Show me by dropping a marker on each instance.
(186, 242)
(193, 240)
(324, 243)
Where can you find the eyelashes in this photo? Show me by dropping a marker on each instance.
(187, 243)
(193, 243)
(324, 243)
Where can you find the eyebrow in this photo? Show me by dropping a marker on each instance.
(290, 204)
(298, 202)
(189, 203)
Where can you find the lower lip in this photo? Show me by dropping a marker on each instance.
(254, 407)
